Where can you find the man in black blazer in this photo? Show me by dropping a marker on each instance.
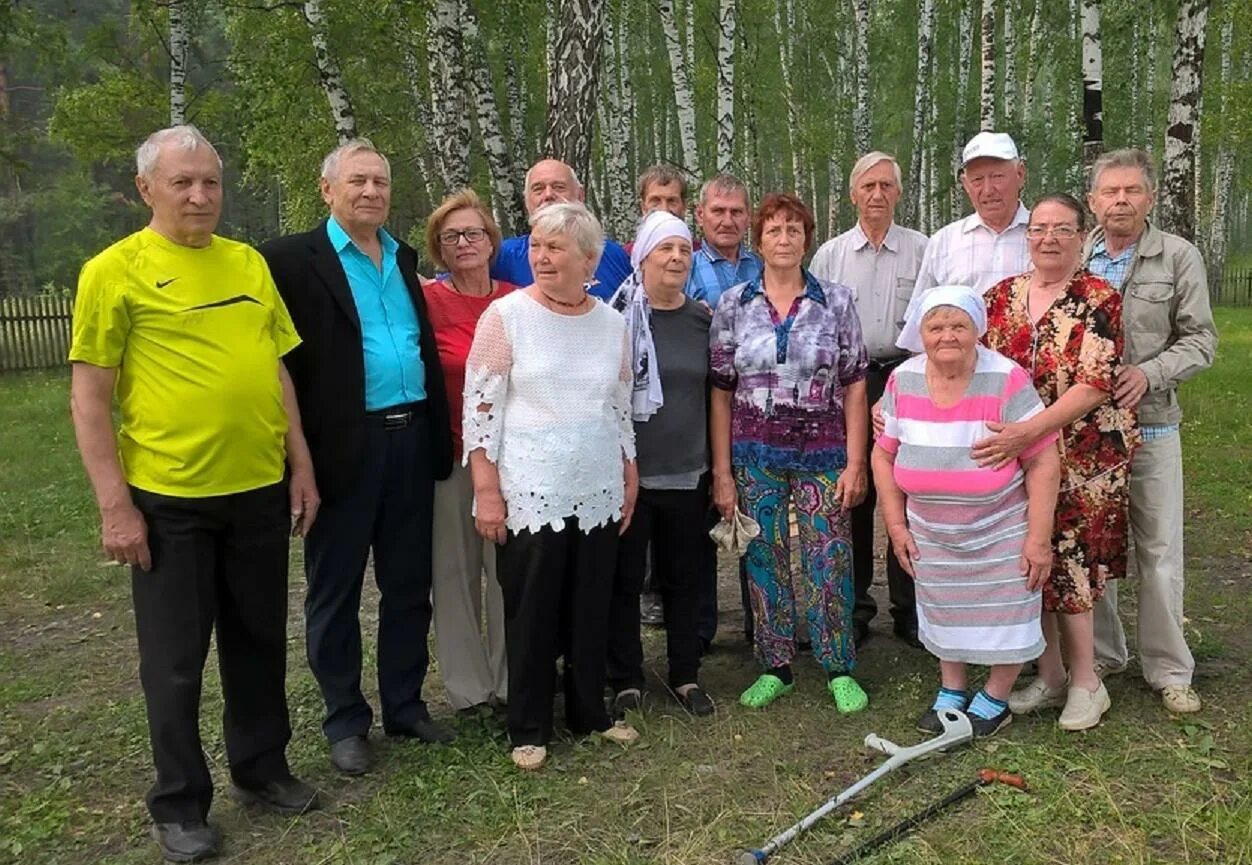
(371, 393)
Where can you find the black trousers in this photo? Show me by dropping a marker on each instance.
(674, 522)
(899, 584)
(216, 562)
(557, 586)
(390, 512)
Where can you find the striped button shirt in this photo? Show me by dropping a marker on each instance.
(968, 252)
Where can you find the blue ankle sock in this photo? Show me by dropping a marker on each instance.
(950, 699)
(986, 706)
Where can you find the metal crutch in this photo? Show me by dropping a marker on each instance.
(956, 731)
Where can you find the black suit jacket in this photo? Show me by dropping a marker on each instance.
(328, 367)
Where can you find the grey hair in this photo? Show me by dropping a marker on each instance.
(572, 174)
(330, 165)
(726, 184)
(184, 137)
(574, 220)
(868, 161)
(1130, 157)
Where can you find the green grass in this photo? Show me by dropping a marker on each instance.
(1141, 788)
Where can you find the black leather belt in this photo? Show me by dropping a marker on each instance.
(397, 416)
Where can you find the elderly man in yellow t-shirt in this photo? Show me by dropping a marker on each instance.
(196, 485)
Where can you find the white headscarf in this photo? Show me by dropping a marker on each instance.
(631, 300)
(960, 296)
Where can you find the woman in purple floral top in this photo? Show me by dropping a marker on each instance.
(789, 426)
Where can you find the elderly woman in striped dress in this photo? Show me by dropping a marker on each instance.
(977, 540)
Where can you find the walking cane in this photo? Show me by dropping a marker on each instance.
(985, 777)
(956, 731)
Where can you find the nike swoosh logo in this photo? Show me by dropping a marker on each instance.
(161, 283)
(230, 301)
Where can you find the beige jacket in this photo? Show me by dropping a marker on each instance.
(1166, 318)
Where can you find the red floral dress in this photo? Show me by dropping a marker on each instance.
(1077, 341)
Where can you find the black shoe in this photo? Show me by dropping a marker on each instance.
(695, 701)
(860, 634)
(288, 796)
(984, 727)
(908, 634)
(627, 700)
(427, 729)
(929, 722)
(351, 755)
(186, 842)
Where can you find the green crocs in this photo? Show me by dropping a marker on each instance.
(848, 694)
(764, 691)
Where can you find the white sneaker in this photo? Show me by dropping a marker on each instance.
(1035, 696)
(528, 758)
(1084, 709)
(1104, 669)
(621, 732)
(1180, 699)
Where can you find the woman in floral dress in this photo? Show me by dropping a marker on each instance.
(1063, 325)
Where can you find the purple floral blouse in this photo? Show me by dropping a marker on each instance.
(788, 376)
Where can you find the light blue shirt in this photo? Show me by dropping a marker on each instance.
(390, 332)
(712, 274)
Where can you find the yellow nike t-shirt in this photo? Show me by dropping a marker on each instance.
(196, 335)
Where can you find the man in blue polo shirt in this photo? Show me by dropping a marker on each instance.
(723, 215)
(550, 180)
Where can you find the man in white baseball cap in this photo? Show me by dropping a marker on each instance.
(989, 245)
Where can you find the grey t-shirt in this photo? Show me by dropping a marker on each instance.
(673, 445)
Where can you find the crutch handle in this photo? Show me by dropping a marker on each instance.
(995, 776)
(753, 857)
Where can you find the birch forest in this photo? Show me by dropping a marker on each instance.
(783, 93)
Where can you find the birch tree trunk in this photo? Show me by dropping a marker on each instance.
(862, 122)
(449, 112)
(1092, 84)
(987, 99)
(725, 84)
(1177, 207)
(510, 209)
(421, 116)
(785, 29)
(1224, 167)
(572, 83)
(515, 86)
(1032, 61)
(1008, 96)
(965, 65)
(1148, 135)
(179, 41)
(684, 98)
(328, 73)
(921, 109)
(615, 134)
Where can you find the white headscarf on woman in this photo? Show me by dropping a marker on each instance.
(631, 300)
(961, 296)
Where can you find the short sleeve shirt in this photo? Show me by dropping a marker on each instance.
(195, 335)
(789, 375)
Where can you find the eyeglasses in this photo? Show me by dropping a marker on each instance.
(471, 235)
(1060, 232)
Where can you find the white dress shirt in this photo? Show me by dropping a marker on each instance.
(968, 252)
(882, 280)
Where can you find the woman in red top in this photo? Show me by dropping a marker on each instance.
(462, 239)
(1064, 325)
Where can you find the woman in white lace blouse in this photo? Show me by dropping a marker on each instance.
(551, 450)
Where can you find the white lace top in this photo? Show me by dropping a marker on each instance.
(547, 399)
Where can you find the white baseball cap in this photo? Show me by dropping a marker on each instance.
(994, 145)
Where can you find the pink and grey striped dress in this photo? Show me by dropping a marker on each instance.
(969, 522)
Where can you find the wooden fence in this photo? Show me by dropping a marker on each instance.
(34, 332)
(1235, 288)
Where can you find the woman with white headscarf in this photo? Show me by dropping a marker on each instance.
(669, 337)
(976, 539)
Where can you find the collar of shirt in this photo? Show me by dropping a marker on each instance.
(974, 221)
(891, 240)
(812, 289)
(713, 255)
(1101, 248)
(340, 239)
